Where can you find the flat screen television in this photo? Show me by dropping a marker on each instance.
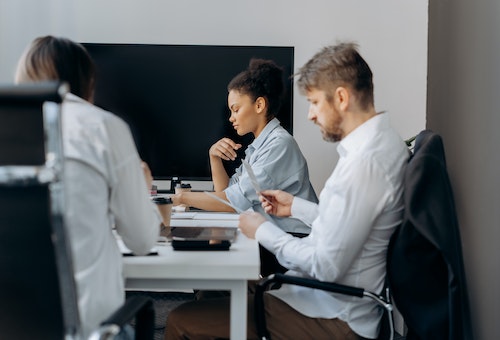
(174, 97)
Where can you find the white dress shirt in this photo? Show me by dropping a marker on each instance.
(278, 163)
(105, 187)
(359, 208)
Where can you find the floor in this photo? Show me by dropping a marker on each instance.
(164, 302)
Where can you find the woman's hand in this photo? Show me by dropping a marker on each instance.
(276, 202)
(147, 174)
(250, 222)
(176, 199)
(224, 149)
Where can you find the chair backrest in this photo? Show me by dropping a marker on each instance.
(37, 288)
(425, 265)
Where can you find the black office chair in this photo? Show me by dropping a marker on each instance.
(425, 265)
(425, 274)
(37, 288)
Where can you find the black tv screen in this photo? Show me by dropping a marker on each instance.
(174, 97)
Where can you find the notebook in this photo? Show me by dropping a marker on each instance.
(202, 238)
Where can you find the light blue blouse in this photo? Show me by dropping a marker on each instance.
(277, 163)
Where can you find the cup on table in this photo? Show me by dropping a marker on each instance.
(164, 205)
(183, 187)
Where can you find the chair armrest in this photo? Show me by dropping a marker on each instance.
(262, 286)
(312, 283)
(139, 307)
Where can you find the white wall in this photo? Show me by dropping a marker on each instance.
(392, 35)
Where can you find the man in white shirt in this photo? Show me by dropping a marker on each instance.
(359, 208)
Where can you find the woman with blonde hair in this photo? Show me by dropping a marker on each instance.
(106, 183)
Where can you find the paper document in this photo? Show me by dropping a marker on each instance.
(253, 179)
(183, 215)
(219, 216)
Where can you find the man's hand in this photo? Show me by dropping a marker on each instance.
(224, 149)
(277, 202)
(250, 222)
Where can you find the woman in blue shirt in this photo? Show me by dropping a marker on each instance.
(254, 99)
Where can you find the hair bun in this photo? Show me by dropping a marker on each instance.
(267, 75)
(262, 78)
(259, 68)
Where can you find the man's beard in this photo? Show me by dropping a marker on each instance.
(332, 137)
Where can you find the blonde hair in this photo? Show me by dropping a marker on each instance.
(52, 58)
(339, 65)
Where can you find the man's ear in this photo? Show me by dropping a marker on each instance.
(260, 104)
(342, 97)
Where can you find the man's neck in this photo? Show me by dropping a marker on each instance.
(353, 119)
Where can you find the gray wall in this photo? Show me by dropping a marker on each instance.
(463, 106)
(392, 35)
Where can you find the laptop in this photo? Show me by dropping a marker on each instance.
(202, 238)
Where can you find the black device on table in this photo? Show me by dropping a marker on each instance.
(202, 238)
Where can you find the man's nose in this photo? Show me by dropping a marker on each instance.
(311, 115)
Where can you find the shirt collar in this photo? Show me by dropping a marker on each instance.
(363, 134)
(72, 98)
(259, 141)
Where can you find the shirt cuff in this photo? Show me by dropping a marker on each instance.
(267, 234)
(304, 210)
(237, 197)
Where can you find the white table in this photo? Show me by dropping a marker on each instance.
(219, 270)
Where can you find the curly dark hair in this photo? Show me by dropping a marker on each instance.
(263, 78)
